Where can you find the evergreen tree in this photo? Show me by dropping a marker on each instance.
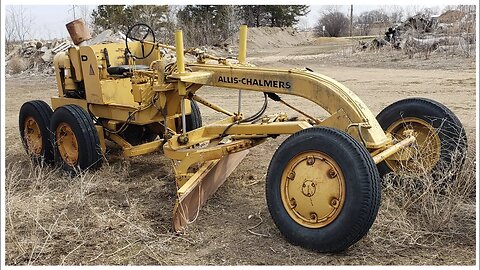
(285, 16)
(253, 15)
(272, 15)
(112, 17)
(121, 17)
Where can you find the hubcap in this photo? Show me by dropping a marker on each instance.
(33, 136)
(67, 144)
(313, 189)
(428, 142)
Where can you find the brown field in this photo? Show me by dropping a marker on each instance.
(121, 213)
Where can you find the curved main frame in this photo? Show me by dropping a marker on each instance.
(324, 91)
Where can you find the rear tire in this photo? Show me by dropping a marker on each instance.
(447, 142)
(77, 146)
(34, 127)
(334, 173)
(138, 134)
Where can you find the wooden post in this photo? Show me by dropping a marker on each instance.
(351, 20)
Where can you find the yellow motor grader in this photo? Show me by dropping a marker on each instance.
(323, 183)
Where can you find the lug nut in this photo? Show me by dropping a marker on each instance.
(332, 173)
(334, 203)
(291, 175)
(310, 160)
(313, 216)
(293, 203)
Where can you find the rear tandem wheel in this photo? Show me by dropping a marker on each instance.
(34, 122)
(322, 189)
(76, 142)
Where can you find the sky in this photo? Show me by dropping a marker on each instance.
(49, 20)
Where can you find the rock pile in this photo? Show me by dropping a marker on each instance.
(37, 56)
(34, 56)
(453, 30)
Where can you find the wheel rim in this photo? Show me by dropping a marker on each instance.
(67, 144)
(313, 189)
(427, 140)
(33, 136)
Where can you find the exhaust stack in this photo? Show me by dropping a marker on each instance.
(78, 31)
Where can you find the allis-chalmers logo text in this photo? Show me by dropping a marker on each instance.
(255, 82)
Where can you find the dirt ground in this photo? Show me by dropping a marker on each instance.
(121, 213)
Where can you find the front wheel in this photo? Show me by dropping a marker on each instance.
(322, 189)
(194, 120)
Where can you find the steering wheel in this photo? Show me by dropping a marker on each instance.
(141, 32)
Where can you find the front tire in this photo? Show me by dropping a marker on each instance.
(322, 189)
(194, 120)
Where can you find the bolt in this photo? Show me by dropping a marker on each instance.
(332, 173)
(334, 203)
(182, 139)
(293, 203)
(313, 184)
(291, 176)
(310, 160)
(313, 216)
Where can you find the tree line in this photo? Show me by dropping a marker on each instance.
(213, 24)
(336, 21)
(202, 24)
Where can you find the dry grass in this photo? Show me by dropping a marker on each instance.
(97, 218)
(56, 219)
(121, 214)
(424, 209)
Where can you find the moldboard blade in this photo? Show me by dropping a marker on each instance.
(188, 204)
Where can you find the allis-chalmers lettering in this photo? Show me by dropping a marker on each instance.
(249, 81)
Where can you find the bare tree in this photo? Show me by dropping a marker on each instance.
(333, 21)
(465, 8)
(208, 24)
(396, 14)
(166, 35)
(9, 26)
(430, 11)
(18, 24)
(412, 10)
(302, 24)
(367, 20)
(84, 12)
